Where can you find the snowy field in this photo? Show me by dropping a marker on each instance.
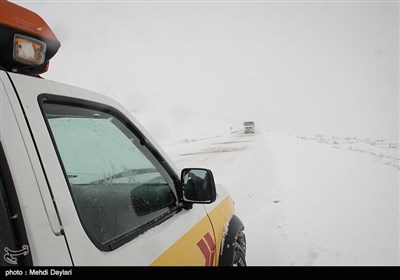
(195, 69)
(306, 200)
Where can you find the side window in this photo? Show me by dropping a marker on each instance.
(118, 187)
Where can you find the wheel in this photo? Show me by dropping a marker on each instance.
(239, 254)
(239, 258)
(233, 249)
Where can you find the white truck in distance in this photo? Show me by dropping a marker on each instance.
(249, 127)
(83, 183)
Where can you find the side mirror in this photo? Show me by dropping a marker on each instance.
(148, 198)
(198, 185)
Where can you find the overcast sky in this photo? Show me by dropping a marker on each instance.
(313, 67)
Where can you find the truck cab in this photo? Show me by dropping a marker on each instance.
(83, 183)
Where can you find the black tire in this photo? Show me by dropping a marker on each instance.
(239, 258)
(233, 250)
(239, 255)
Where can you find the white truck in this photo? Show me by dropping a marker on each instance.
(249, 127)
(83, 183)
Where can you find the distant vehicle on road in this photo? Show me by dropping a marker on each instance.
(249, 127)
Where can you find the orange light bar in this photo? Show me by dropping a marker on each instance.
(25, 20)
(26, 43)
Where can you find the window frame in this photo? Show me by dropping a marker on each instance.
(149, 148)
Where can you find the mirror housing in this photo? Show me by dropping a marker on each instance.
(148, 198)
(198, 185)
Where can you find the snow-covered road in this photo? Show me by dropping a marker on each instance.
(305, 202)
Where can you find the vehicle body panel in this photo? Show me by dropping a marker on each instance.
(175, 241)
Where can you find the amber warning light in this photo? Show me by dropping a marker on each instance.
(26, 43)
(28, 50)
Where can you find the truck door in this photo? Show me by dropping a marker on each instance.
(28, 214)
(115, 195)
